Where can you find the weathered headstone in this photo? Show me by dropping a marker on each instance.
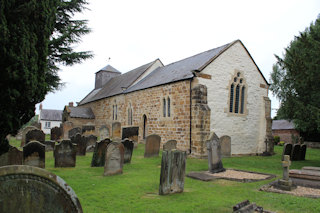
(104, 132)
(49, 145)
(116, 130)
(132, 133)
(66, 127)
(55, 133)
(88, 130)
(24, 133)
(91, 140)
(303, 151)
(214, 154)
(152, 146)
(285, 183)
(35, 135)
(99, 153)
(12, 157)
(74, 131)
(31, 189)
(169, 145)
(295, 154)
(225, 146)
(65, 154)
(34, 154)
(128, 149)
(114, 159)
(173, 166)
(81, 144)
(287, 149)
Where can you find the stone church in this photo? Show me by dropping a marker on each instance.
(220, 90)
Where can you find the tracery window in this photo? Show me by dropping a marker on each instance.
(237, 101)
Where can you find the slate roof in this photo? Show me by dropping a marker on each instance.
(51, 115)
(282, 124)
(81, 112)
(109, 68)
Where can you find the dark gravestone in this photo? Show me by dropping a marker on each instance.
(65, 154)
(24, 133)
(152, 146)
(55, 133)
(214, 154)
(88, 130)
(128, 149)
(12, 157)
(49, 145)
(104, 132)
(35, 135)
(295, 154)
(34, 154)
(31, 189)
(173, 166)
(116, 130)
(81, 144)
(225, 146)
(72, 132)
(91, 140)
(303, 151)
(131, 133)
(169, 145)
(287, 149)
(114, 159)
(99, 153)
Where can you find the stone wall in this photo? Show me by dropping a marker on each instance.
(286, 134)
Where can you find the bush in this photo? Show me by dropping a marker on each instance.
(281, 143)
(276, 139)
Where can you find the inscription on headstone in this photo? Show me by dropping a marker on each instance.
(99, 153)
(34, 154)
(214, 154)
(12, 157)
(128, 149)
(31, 189)
(35, 135)
(65, 154)
(169, 145)
(114, 159)
(173, 165)
(225, 146)
(152, 146)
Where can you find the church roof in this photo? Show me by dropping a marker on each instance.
(282, 124)
(51, 115)
(109, 68)
(81, 112)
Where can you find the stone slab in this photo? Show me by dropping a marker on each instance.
(305, 174)
(313, 168)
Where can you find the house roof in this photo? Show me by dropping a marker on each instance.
(81, 112)
(109, 68)
(51, 115)
(282, 124)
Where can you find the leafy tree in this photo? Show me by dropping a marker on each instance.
(296, 80)
(35, 37)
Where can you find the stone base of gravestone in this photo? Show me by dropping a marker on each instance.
(173, 165)
(31, 189)
(286, 185)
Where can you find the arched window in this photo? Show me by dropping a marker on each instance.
(169, 112)
(144, 126)
(237, 98)
(130, 115)
(236, 104)
(164, 107)
(231, 98)
(242, 99)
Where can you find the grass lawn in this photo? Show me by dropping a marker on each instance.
(136, 190)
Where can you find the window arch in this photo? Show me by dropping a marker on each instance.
(164, 107)
(169, 110)
(237, 94)
(130, 115)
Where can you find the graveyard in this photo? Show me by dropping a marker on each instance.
(136, 189)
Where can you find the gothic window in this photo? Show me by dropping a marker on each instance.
(116, 112)
(130, 115)
(237, 94)
(164, 107)
(169, 112)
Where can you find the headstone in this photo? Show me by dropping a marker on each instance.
(74, 131)
(12, 157)
(81, 144)
(173, 166)
(225, 146)
(24, 133)
(116, 130)
(287, 149)
(31, 189)
(65, 154)
(303, 151)
(55, 133)
(114, 159)
(91, 140)
(35, 135)
(66, 127)
(88, 130)
(104, 132)
(295, 154)
(132, 133)
(214, 154)
(49, 145)
(99, 153)
(152, 146)
(269, 147)
(34, 154)
(128, 149)
(169, 145)
(285, 183)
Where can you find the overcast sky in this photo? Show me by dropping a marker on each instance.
(133, 33)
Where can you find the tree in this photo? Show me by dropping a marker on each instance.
(35, 37)
(295, 80)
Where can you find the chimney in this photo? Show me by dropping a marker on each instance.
(40, 106)
(70, 104)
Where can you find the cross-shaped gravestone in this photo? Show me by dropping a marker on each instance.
(285, 183)
(286, 164)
